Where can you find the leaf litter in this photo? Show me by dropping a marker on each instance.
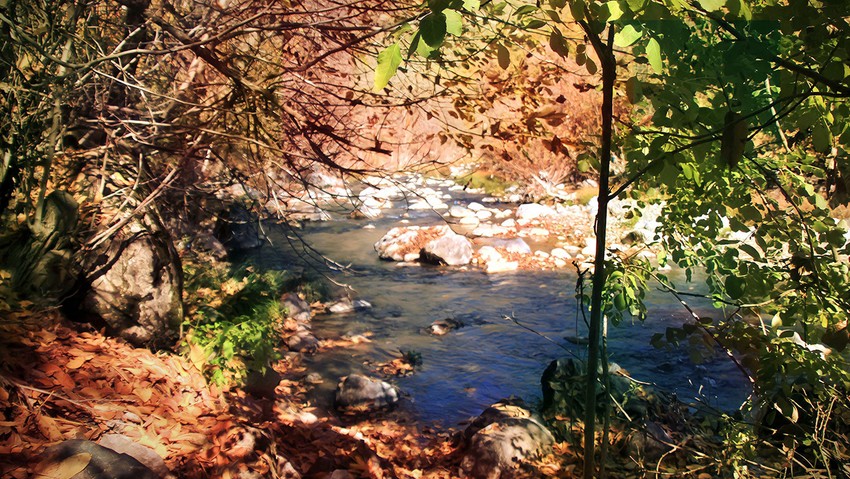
(58, 382)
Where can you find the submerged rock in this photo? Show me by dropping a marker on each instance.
(441, 327)
(357, 393)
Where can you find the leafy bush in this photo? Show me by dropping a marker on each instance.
(236, 318)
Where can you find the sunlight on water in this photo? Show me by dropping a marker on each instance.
(490, 358)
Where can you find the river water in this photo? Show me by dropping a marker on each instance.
(489, 358)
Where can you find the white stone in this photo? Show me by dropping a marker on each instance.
(509, 223)
(538, 232)
(460, 212)
(469, 221)
(502, 266)
(561, 253)
(475, 206)
(533, 210)
(483, 214)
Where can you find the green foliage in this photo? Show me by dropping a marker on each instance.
(488, 182)
(411, 357)
(748, 133)
(236, 319)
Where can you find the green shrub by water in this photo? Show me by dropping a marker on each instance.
(236, 317)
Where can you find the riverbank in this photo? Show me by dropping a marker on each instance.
(60, 382)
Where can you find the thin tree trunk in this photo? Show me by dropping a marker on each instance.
(609, 74)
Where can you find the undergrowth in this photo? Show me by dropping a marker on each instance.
(235, 319)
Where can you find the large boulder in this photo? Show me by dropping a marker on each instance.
(81, 459)
(451, 249)
(357, 393)
(503, 436)
(397, 243)
(238, 229)
(136, 287)
(436, 245)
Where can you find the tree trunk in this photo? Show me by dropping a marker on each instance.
(609, 74)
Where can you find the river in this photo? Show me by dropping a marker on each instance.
(489, 358)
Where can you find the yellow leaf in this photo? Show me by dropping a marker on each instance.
(66, 469)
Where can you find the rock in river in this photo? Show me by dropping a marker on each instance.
(357, 393)
(451, 249)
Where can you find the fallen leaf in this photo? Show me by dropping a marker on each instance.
(144, 393)
(47, 426)
(66, 469)
(76, 362)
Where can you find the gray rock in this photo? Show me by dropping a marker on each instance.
(346, 305)
(103, 462)
(296, 308)
(137, 288)
(303, 341)
(460, 212)
(441, 327)
(147, 456)
(238, 229)
(357, 393)
(500, 438)
(451, 249)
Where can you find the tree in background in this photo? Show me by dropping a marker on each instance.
(738, 126)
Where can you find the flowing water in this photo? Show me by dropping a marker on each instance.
(489, 358)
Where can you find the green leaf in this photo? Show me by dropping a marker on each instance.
(433, 29)
(614, 11)
(669, 174)
(734, 287)
(472, 5)
(577, 9)
(558, 44)
(504, 56)
(535, 23)
(634, 91)
(525, 10)
(712, 5)
(821, 138)
(591, 67)
(419, 46)
(388, 61)
(627, 36)
(653, 54)
(454, 22)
